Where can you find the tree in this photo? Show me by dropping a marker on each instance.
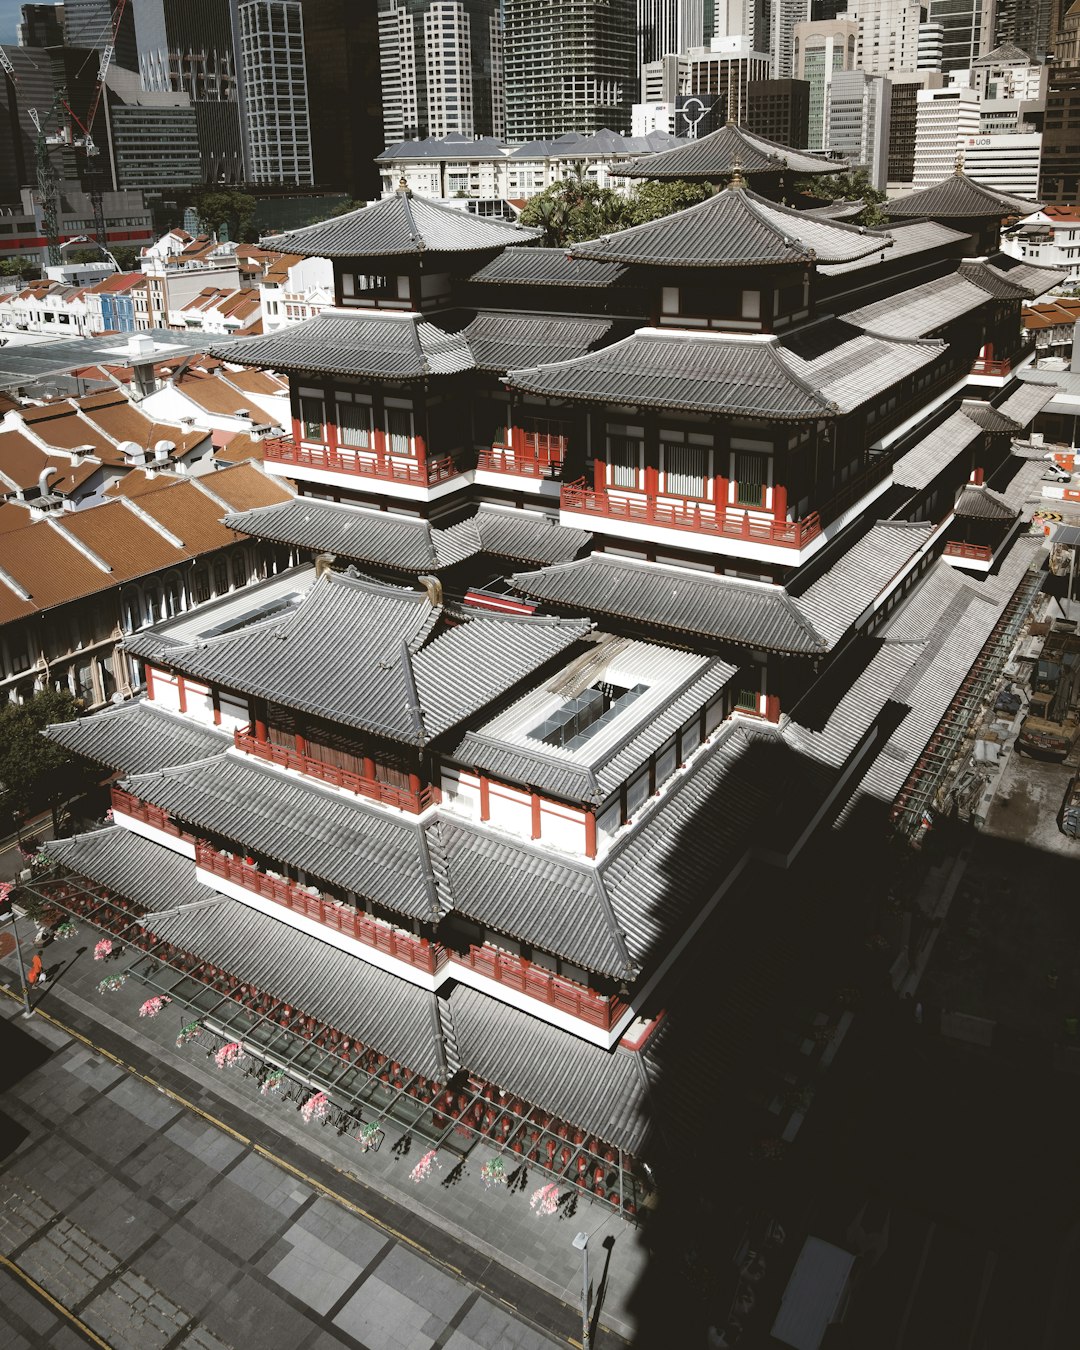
(35, 772)
(24, 268)
(226, 207)
(574, 210)
(343, 208)
(127, 257)
(651, 201)
(836, 187)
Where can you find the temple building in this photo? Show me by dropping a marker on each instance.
(619, 571)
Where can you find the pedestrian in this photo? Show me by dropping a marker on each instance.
(36, 976)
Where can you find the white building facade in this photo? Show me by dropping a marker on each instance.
(857, 107)
(944, 118)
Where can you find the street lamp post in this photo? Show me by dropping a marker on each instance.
(581, 1242)
(27, 1010)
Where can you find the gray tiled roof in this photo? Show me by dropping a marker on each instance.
(959, 197)
(861, 368)
(920, 311)
(836, 599)
(1024, 404)
(153, 876)
(503, 341)
(370, 1006)
(980, 503)
(838, 210)
(352, 651)
(528, 893)
(918, 236)
(604, 1091)
(734, 228)
(1001, 285)
(749, 614)
(547, 267)
(989, 418)
(725, 152)
(349, 843)
(356, 532)
(444, 147)
(400, 224)
(138, 736)
(663, 368)
(935, 452)
(1036, 281)
(525, 536)
(393, 346)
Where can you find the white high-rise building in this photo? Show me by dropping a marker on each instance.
(665, 26)
(944, 118)
(857, 121)
(1006, 163)
(888, 34)
(785, 15)
(931, 45)
(274, 101)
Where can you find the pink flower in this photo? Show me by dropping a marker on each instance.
(102, 949)
(424, 1166)
(545, 1200)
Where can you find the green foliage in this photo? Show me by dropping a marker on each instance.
(25, 268)
(849, 187)
(346, 206)
(575, 210)
(85, 255)
(217, 206)
(127, 256)
(36, 772)
(650, 201)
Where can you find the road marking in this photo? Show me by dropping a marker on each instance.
(21, 1274)
(286, 1166)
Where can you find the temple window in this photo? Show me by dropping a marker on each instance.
(354, 424)
(624, 459)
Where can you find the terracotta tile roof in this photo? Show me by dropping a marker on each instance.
(121, 420)
(190, 514)
(278, 271)
(216, 396)
(1052, 314)
(22, 462)
(255, 381)
(57, 424)
(244, 487)
(251, 330)
(48, 566)
(118, 282)
(13, 516)
(138, 481)
(239, 447)
(119, 536)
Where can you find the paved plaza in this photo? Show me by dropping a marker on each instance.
(157, 1223)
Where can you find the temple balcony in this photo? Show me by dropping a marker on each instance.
(536, 454)
(419, 953)
(963, 554)
(389, 794)
(340, 466)
(524, 977)
(150, 821)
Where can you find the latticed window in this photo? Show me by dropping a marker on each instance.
(399, 431)
(354, 424)
(686, 470)
(311, 418)
(750, 475)
(624, 461)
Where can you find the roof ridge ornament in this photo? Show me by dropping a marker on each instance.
(958, 168)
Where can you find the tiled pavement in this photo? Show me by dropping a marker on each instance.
(160, 1229)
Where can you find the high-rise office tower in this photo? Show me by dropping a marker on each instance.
(822, 47)
(778, 110)
(1059, 180)
(186, 46)
(944, 118)
(441, 68)
(41, 26)
(857, 121)
(903, 120)
(273, 81)
(666, 26)
(1027, 24)
(570, 65)
(968, 30)
(89, 24)
(341, 43)
(888, 34)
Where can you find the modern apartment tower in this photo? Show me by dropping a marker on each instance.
(569, 66)
(888, 34)
(665, 26)
(441, 68)
(274, 103)
(857, 107)
(822, 47)
(1060, 178)
(786, 14)
(968, 30)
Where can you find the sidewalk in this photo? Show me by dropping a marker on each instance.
(494, 1223)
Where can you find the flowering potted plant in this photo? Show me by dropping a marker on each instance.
(66, 929)
(111, 983)
(424, 1166)
(273, 1083)
(545, 1199)
(317, 1107)
(493, 1173)
(191, 1031)
(229, 1055)
(102, 949)
(370, 1136)
(153, 1006)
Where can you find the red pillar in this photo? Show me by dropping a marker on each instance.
(182, 692)
(779, 502)
(772, 707)
(590, 834)
(977, 476)
(149, 680)
(485, 798)
(368, 767)
(600, 475)
(535, 816)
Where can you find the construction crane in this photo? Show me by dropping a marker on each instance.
(47, 185)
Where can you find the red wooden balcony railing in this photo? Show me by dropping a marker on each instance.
(978, 552)
(700, 517)
(362, 463)
(986, 366)
(149, 815)
(502, 459)
(386, 793)
(415, 951)
(517, 973)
